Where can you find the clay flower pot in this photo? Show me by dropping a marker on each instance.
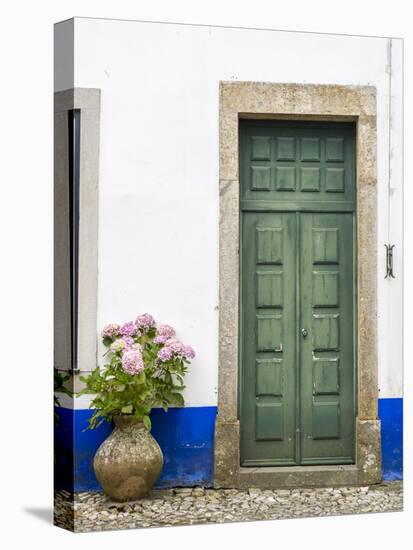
(129, 461)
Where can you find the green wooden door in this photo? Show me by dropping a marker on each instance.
(297, 347)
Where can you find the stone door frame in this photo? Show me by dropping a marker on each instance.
(264, 100)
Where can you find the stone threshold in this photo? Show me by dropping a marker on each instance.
(277, 477)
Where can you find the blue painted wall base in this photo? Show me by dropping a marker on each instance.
(186, 437)
(391, 416)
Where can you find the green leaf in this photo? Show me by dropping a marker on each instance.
(107, 341)
(147, 422)
(178, 399)
(140, 378)
(127, 410)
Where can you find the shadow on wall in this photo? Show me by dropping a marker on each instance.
(185, 435)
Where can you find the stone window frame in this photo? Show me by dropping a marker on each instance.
(87, 100)
(291, 101)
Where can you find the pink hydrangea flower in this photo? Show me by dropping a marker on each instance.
(111, 331)
(132, 361)
(129, 341)
(175, 345)
(165, 354)
(128, 329)
(166, 330)
(188, 352)
(164, 333)
(145, 321)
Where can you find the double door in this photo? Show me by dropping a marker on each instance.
(297, 347)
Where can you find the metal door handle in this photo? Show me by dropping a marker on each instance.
(304, 332)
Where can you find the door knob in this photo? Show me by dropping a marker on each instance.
(304, 332)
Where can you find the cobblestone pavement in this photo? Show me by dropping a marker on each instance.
(95, 512)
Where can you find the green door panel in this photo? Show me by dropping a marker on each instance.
(327, 355)
(296, 165)
(268, 328)
(297, 293)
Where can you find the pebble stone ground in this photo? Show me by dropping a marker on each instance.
(186, 506)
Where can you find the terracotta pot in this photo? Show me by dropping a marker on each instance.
(129, 461)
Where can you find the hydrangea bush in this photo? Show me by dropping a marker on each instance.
(146, 368)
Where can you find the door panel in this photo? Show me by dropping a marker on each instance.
(300, 162)
(327, 358)
(268, 345)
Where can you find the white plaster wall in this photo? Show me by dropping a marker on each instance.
(158, 194)
(391, 372)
